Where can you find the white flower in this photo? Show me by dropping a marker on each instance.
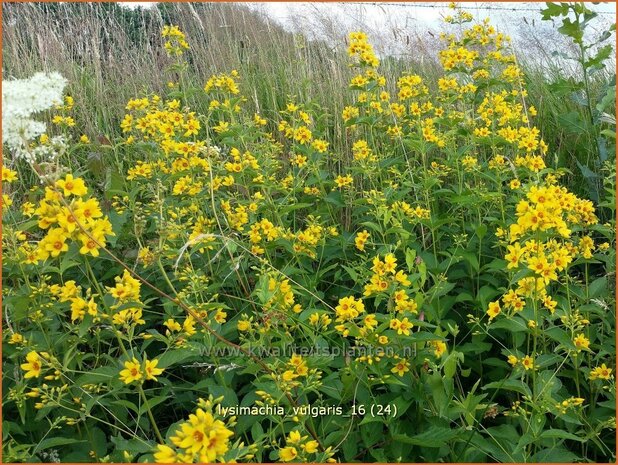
(21, 98)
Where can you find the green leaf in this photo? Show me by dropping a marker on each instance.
(572, 123)
(597, 61)
(55, 442)
(554, 455)
(152, 402)
(481, 230)
(172, 357)
(471, 258)
(516, 385)
(559, 335)
(435, 436)
(598, 287)
(573, 29)
(553, 10)
(351, 272)
(133, 446)
(410, 258)
(560, 434)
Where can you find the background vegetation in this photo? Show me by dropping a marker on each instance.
(111, 53)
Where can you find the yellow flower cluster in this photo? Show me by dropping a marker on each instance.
(68, 217)
(134, 371)
(227, 83)
(176, 43)
(203, 438)
(164, 122)
(67, 121)
(526, 362)
(601, 372)
(551, 207)
(411, 86)
(306, 241)
(362, 50)
(384, 274)
(412, 213)
(260, 230)
(343, 181)
(461, 16)
(178, 333)
(361, 239)
(348, 309)
(569, 403)
(281, 294)
(297, 447)
(296, 368)
(126, 290)
(439, 348)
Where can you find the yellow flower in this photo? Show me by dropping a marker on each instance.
(287, 454)
(150, 367)
(361, 239)
(188, 326)
(172, 325)
(439, 348)
(343, 181)
(370, 321)
(72, 185)
(493, 310)
(127, 288)
(390, 263)
(581, 342)
(401, 368)
(243, 325)
(16, 338)
(348, 309)
(527, 362)
(33, 365)
(220, 316)
(349, 113)
(401, 326)
(8, 175)
(54, 243)
(132, 371)
(302, 135)
(512, 360)
(204, 435)
(311, 447)
(320, 145)
(294, 437)
(89, 245)
(165, 454)
(84, 139)
(601, 372)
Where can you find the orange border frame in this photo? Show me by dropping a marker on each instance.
(267, 1)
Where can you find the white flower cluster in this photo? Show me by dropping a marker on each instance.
(21, 98)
